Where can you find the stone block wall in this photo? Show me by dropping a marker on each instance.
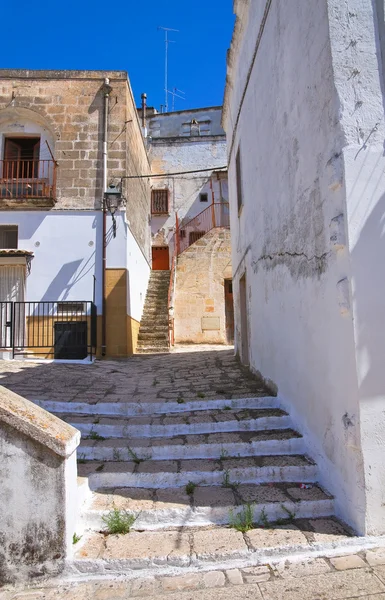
(70, 105)
(200, 275)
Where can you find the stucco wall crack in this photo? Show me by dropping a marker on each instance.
(316, 263)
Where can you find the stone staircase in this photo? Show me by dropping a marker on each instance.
(153, 332)
(191, 470)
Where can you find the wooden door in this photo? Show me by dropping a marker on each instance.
(160, 258)
(229, 311)
(12, 155)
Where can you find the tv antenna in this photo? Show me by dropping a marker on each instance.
(166, 43)
(175, 95)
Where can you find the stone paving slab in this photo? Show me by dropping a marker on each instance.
(326, 586)
(311, 579)
(190, 373)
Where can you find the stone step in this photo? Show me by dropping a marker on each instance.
(152, 335)
(146, 345)
(224, 471)
(200, 422)
(208, 505)
(157, 295)
(152, 343)
(194, 550)
(146, 327)
(158, 288)
(157, 408)
(152, 322)
(151, 350)
(211, 445)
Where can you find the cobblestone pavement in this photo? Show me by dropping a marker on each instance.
(188, 373)
(351, 576)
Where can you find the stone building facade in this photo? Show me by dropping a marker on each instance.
(304, 117)
(52, 126)
(193, 144)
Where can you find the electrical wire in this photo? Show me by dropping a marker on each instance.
(172, 174)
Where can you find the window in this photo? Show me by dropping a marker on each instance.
(8, 237)
(195, 128)
(203, 197)
(21, 157)
(204, 128)
(159, 202)
(195, 236)
(238, 173)
(182, 234)
(71, 307)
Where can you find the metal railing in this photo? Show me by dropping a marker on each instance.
(171, 299)
(27, 179)
(215, 215)
(60, 329)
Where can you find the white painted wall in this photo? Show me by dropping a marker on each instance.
(360, 85)
(310, 234)
(67, 247)
(185, 155)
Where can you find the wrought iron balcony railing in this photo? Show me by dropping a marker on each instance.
(23, 179)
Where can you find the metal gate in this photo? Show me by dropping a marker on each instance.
(60, 329)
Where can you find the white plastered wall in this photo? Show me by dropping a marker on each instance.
(67, 251)
(292, 235)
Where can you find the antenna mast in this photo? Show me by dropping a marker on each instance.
(166, 43)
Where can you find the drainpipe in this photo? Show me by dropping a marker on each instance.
(106, 90)
(144, 108)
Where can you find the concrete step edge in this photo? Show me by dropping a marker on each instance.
(92, 451)
(204, 516)
(166, 431)
(163, 480)
(153, 408)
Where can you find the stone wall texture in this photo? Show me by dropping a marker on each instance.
(70, 105)
(200, 274)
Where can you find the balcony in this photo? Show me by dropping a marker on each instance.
(29, 183)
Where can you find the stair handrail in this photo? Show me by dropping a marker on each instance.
(171, 298)
(209, 217)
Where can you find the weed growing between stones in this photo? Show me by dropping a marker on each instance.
(180, 400)
(116, 454)
(95, 436)
(190, 487)
(263, 521)
(155, 382)
(134, 456)
(226, 483)
(243, 520)
(119, 521)
(76, 538)
(227, 407)
(290, 515)
(224, 453)
(201, 395)
(100, 468)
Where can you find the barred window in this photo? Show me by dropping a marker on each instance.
(194, 236)
(159, 202)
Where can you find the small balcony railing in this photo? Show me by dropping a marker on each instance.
(23, 179)
(215, 215)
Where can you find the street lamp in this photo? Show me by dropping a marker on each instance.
(112, 200)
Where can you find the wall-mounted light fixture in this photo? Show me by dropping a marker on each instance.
(112, 202)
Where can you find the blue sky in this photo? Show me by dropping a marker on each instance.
(123, 35)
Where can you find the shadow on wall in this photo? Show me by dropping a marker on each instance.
(67, 277)
(369, 298)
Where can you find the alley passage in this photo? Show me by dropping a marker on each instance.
(186, 375)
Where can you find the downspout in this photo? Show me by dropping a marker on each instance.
(106, 90)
